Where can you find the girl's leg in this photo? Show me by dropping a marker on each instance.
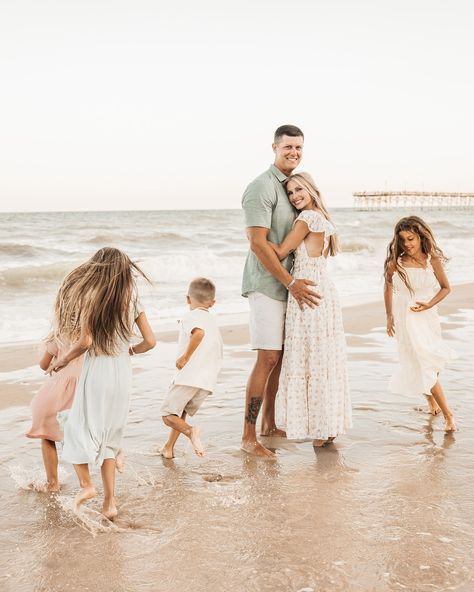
(50, 461)
(109, 509)
(87, 490)
(433, 405)
(168, 449)
(438, 394)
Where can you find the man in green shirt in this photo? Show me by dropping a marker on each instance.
(269, 216)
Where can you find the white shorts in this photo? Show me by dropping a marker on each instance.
(267, 321)
(181, 398)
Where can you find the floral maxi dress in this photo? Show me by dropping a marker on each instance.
(313, 399)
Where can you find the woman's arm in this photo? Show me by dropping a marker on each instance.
(149, 340)
(388, 300)
(445, 288)
(296, 235)
(45, 360)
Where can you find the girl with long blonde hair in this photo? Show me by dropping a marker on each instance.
(96, 309)
(415, 283)
(313, 399)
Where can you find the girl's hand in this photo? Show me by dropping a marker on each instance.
(390, 326)
(181, 362)
(56, 365)
(420, 306)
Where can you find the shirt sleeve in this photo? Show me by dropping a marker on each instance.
(316, 222)
(258, 203)
(190, 322)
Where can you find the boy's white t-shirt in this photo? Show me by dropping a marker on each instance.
(205, 363)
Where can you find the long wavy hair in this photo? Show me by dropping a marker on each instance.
(395, 250)
(98, 296)
(306, 181)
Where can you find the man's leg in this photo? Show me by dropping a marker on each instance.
(267, 361)
(268, 425)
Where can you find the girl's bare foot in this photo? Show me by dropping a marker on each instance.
(196, 441)
(120, 460)
(86, 493)
(53, 487)
(109, 510)
(319, 443)
(167, 452)
(450, 426)
(433, 405)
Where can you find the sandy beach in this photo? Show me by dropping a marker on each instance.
(388, 507)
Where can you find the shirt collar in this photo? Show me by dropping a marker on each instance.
(278, 174)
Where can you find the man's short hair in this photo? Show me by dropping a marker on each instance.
(287, 130)
(202, 290)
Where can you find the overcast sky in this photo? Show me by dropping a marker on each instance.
(149, 104)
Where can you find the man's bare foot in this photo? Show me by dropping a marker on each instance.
(196, 441)
(319, 443)
(110, 511)
(120, 460)
(450, 426)
(167, 452)
(256, 449)
(86, 493)
(273, 433)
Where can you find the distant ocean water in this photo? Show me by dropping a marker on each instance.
(38, 249)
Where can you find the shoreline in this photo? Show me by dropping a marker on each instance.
(359, 319)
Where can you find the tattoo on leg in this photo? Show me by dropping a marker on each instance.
(253, 409)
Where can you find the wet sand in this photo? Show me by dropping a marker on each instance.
(388, 507)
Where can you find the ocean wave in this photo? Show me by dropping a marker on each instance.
(356, 246)
(17, 250)
(21, 277)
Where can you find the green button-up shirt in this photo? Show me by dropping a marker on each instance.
(266, 205)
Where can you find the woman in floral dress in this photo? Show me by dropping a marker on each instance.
(313, 399)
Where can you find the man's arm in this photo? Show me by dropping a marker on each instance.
(299, 289)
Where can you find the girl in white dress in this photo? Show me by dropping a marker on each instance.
(313, 399)
(415, 282)
(96, 309)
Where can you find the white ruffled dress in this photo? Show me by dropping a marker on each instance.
(313, 399)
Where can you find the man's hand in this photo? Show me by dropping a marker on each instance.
(181, 362)
(303, 295)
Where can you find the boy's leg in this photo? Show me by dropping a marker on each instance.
(109, 509)
(168, 449)
(50, 461)
(87, 490)
(193, 433)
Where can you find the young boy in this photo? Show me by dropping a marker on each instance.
(199, 362)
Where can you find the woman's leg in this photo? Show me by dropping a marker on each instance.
(50, 461)
(87, 490)
(438, 394)
(433, 405)
(109, 509)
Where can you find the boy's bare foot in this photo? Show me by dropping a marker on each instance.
(86, 493)
(450, 426)
(196, 441)
(167, 452)
(319, 443)
(273, 432)
(120, 460)
(110, 511)
(255, 448)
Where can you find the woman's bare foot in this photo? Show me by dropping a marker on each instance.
(255, 448)
(273, 433)
(109, 510)
(86, 493)
(319, 443)
(434, 408)
(450, 426)
(120, 460)
(196, 441)
(167, 451)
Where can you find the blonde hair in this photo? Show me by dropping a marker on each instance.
(97, 296)
(306, 181)
(202, 289)
(395, 250)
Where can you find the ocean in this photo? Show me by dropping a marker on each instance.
(38, 249)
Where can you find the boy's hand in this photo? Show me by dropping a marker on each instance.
(181, 362)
